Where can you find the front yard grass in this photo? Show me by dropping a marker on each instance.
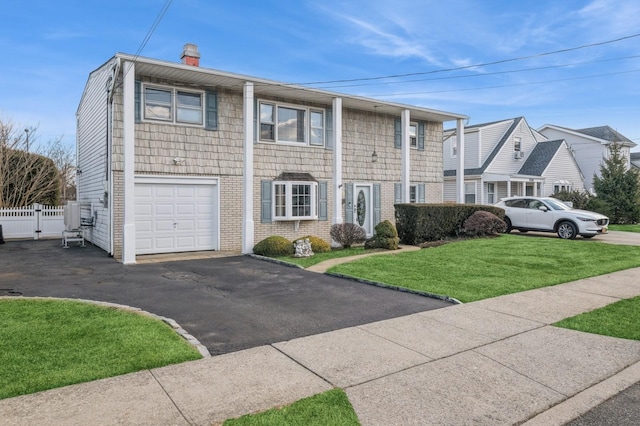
(476, 269)
(328, 408)
(619, 319)
(625, 228)
(45, 344)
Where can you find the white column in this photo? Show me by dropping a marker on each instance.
(247, 180)
(509, 188)
(405, 178)
(337, 161)
(129, 138)
(460, 168)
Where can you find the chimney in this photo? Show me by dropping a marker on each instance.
(190, 55)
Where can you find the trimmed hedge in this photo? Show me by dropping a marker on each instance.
(418, 223)
(274, 246)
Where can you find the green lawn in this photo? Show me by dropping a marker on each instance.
(328, 408)
(477, 269)
(619, 319)
(625, 228)
(46, 344)
(305, 262)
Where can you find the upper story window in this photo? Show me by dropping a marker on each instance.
(295, 200)
(291, 124)
(517, 144)
(413, 135)
(454, 148)
(173, 105)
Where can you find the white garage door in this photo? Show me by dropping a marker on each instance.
(175, 217)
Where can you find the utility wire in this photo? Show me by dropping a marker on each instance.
(484, 74)
(520, 58)
(155, 24)
(498, 87)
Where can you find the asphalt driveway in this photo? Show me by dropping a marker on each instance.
(228, 304)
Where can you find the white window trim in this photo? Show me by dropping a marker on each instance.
(415, 193)
(174, 105)
(307, 123)
(288, 200)
(475, 191)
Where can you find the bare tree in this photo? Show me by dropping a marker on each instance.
(25, 177)
(64, 158)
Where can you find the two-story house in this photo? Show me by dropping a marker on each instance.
(505, 158)
(177, 157)
(590, 147)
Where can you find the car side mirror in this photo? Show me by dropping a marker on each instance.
(543, 208)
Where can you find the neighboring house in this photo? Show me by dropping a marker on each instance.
(589, 146)
(505, 158)
(635, 159)
(174, 157)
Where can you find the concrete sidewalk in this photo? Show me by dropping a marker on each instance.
(497, 361)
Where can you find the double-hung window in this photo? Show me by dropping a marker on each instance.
(295, 200)
(173, 105)
(413, 135)
(291, 124)
(470, 192)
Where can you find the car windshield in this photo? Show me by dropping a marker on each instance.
(556, 204)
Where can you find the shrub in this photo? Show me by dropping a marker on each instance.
(386, 237)
(579, 200)
(482, 224)
(274, 246)
(347, 234)
(417, 223)
(318, 245)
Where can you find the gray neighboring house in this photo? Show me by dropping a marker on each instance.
(635, 159)
(506, 158)
(176, 157)
(590, 146)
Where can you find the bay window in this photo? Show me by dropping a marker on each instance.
(295, 200)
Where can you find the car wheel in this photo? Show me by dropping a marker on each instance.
(567, 230)
(508, 222)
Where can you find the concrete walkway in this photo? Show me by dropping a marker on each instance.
(496, 361)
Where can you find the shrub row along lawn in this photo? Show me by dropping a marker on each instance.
(481, 268)
(46, 344)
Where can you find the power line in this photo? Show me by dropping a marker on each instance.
(155, 24)
(520, 58)
(501, 86)
(485, 74)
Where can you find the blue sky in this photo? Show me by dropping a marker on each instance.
(49, 48)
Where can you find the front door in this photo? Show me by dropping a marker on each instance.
(363, 210)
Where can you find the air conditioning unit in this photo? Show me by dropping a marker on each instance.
(72, 215)
(518, 154)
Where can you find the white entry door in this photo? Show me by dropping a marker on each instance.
(363, 208)
(175, 217)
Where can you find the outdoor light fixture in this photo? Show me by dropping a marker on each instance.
(374, 156)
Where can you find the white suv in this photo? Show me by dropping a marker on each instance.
(551, 215)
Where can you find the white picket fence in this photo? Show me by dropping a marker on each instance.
(36, 221)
